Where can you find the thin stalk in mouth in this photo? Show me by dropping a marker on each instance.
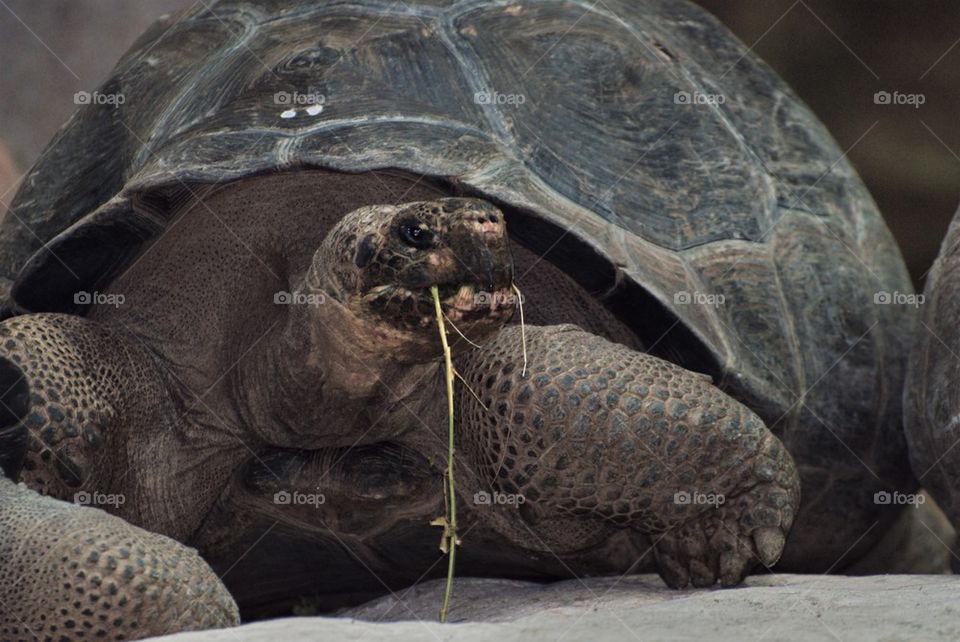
(523, 328)
(449, 538)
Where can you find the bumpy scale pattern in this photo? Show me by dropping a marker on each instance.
(77, 573)
(596, 430)
(73, 573)
(72, 392)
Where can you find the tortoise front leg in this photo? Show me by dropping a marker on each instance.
(596, 435)
(69, 571)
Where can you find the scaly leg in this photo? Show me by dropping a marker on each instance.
(66, 569)
(596, 435)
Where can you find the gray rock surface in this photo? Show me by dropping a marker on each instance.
(887, 608)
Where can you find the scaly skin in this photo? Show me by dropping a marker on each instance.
(66, 569)
(596, 431)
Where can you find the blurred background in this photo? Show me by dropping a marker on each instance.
(836, 55)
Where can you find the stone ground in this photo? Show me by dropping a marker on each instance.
(886, 608)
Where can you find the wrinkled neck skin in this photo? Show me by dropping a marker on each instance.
(328, 378)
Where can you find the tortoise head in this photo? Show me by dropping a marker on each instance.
(380, 261)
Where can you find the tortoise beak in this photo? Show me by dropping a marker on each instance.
(478, 240)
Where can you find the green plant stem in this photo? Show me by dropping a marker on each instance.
(450, 529)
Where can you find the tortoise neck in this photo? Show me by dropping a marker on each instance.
(318, 379)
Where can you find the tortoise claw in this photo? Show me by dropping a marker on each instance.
(769, 543)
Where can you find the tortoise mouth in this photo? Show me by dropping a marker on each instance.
(460, 302)
(467, 302)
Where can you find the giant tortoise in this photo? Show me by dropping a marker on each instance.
(220, 336)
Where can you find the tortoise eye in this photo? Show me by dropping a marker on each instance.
(416, 235)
